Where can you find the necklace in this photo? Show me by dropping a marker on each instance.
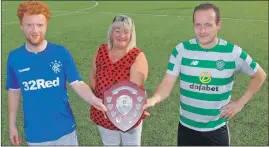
(115, 56)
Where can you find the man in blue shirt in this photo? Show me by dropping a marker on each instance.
(39, 70)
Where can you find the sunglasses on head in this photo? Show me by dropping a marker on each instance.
(121, 18)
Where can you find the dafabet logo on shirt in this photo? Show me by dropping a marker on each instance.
(205, 78)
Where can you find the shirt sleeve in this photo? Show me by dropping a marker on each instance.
(244, 63)
(11, 78)
(173, 66)
(70, 69)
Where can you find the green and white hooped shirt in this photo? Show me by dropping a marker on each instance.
(206, 80)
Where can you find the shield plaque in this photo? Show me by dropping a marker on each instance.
(124, 102)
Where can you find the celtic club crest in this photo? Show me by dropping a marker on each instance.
(220, 64)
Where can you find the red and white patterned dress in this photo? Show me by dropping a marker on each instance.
(107, 74)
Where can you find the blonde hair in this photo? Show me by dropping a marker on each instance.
(125, 22)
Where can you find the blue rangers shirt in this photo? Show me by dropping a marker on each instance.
(42, 77)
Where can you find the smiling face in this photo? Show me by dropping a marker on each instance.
(121, 34)
(34, 28)
(121, 37)
(206, 27)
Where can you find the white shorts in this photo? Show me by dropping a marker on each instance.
(115, 138)
(69, 139)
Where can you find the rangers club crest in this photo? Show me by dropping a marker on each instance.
(56, 66)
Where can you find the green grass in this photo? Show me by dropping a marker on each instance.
(83, 32)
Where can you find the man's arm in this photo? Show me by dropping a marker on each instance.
(165, 87)
(254, 85)
(84, 91)
(13, 106)
(14, 94)
(245, 64)
(163, 90)
(13, 109)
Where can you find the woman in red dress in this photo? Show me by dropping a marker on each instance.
(113, 62)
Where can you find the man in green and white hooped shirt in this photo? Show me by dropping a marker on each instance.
(206, 67)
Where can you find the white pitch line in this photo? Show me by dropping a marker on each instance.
(60, 11)
(68, 13)
(247, 19)
(157, 15)
(72, 12)
(240, 19)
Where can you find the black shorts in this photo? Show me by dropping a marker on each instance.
(189, 137)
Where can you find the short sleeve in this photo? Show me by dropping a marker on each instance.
(11, 78)
(244, 63)
(173, 66)
(70, 69)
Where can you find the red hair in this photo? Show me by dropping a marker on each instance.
(33, 8)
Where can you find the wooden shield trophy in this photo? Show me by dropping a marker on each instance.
(124, 102)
